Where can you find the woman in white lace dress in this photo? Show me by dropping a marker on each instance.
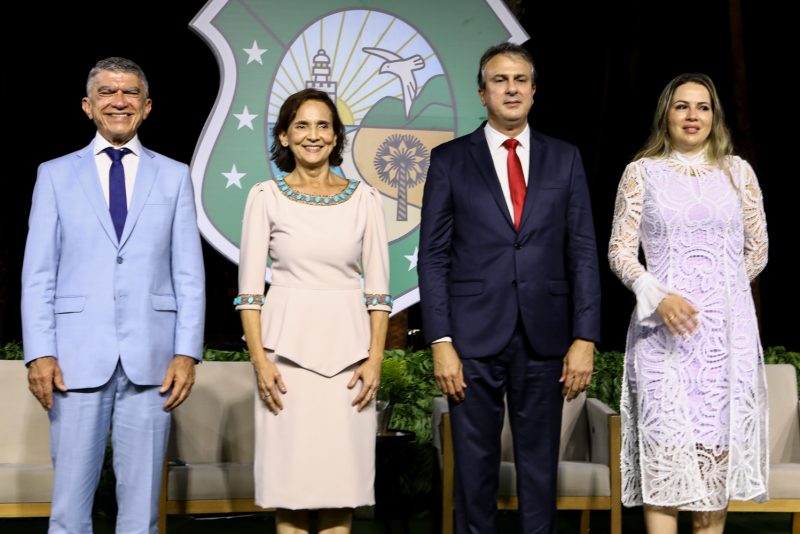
(693, 408)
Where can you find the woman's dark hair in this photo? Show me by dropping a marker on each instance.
(280, 154)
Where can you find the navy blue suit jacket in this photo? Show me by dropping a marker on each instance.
(478, 275)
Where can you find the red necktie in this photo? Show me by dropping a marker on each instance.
(516, 180)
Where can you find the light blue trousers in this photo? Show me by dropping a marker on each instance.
(80, 421)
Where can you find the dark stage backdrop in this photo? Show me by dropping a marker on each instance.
(600, 71)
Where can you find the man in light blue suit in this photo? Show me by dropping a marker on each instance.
(113, 304)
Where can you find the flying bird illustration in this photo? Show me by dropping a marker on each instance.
(403, 68)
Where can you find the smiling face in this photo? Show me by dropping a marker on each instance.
(117, 104)
(508, 92)
(690, 118)
(310, 136)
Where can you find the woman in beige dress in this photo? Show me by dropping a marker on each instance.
(316, 339)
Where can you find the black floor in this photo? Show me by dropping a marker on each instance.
(738, 523)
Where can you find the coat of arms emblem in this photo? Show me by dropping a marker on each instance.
(402, 76)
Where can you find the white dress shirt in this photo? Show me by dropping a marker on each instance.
(130, 163)
(499, 153)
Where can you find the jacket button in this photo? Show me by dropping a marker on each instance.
(514, 283)
(119, 259)
(517, 246)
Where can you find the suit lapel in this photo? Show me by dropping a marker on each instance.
(86, 170)
(145, 178)
(536, 172)
(483, 162)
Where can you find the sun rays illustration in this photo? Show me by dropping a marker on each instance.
(329, 55)
(392, 94)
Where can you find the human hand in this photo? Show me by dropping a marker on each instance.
(269, 382)
(43, 374)
(179, 377)
(576, 374)
(678, 315)
(448, 371)
(369, 372)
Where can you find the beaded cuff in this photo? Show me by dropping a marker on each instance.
(373, 299)
(249, 299)
(317, 200)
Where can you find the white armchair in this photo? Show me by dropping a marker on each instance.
(26, 471)
(210, 456)
(588, 468)
(784, 447)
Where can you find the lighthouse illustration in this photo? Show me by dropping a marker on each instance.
(321, 75)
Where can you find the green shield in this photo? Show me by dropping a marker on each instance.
(402, 75)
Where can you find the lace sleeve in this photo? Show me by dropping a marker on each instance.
(756, 243)
(623, 248)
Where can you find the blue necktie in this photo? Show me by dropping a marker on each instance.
(117, 199)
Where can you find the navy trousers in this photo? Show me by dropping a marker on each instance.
(534, 401)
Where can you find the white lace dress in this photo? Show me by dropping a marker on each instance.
(694, 408)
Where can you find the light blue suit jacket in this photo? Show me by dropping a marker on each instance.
(91, 300)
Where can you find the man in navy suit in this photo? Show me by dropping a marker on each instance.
(510, 293)
(113, 304)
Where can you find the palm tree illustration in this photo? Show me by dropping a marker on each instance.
(402, 162)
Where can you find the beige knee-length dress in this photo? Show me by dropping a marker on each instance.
(329, 267)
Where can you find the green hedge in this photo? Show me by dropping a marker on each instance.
(11, 351)
(608, 367)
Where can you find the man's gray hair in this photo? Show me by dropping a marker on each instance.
(117, 64)
(510, 49)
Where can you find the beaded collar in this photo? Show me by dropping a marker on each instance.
(317, 200)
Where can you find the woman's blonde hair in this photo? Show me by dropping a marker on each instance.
(718, 144)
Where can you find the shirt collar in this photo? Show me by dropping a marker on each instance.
(101, 143)
(496, 139)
